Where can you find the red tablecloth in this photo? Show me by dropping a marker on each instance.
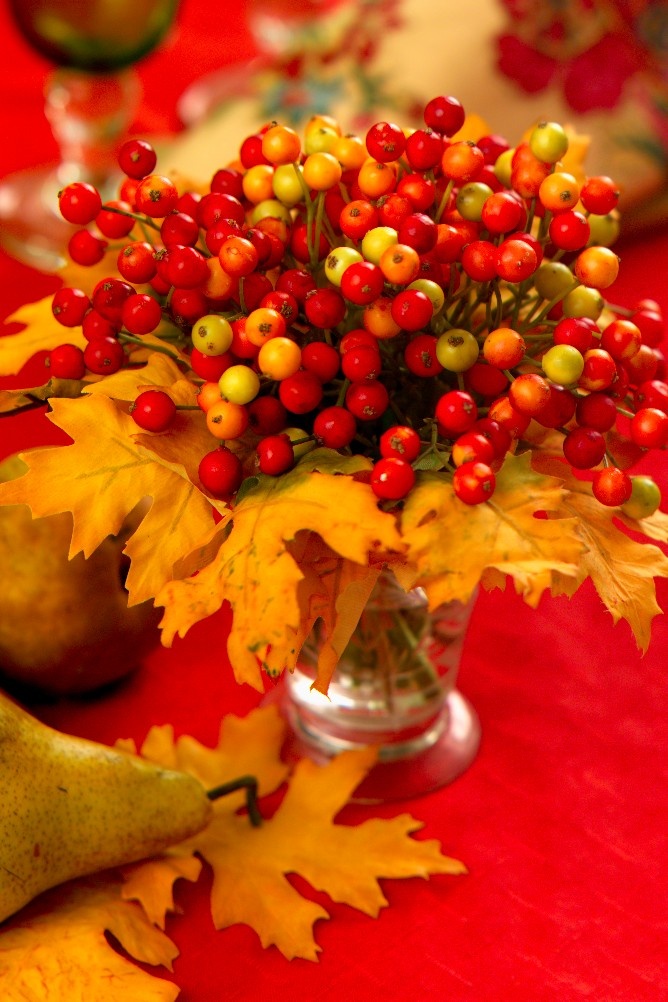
(561, 819)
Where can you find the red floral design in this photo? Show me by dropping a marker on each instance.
(589, 48)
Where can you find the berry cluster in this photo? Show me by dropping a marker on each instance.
(424, 300)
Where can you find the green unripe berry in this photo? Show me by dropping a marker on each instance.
(584, 302)
(548, 142)
(553, 279)
(563, 364)
(603, 230)
(470, 199)
(457, 350)
(212, 334)
(645, 498)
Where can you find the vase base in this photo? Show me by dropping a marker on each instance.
(399, 774)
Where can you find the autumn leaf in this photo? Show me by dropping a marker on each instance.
(502, 534)
(332, 590)
(254, 570)
(57, 949)
(42, 332)
(622, 569)
(251, 864)
(100, 486)
(159, 370)
(16, 400)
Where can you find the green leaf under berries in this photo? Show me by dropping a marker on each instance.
(255, 571)
(503, 534)
(100, 485)
(41, 332)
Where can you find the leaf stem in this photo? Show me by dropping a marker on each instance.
(247, 783)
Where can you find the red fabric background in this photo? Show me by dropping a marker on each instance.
(561, 819)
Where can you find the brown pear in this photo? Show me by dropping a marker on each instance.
(70, 807)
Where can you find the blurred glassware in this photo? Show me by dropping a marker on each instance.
(90, 100)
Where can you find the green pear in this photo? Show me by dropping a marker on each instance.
(70, 807)
(65, 625)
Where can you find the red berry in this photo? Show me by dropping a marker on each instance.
(300, 393)
(69, 306)
(220, 472)
(392, 478)
(85, 248)
(334, 427)
(115, 224)
(104, 356)
(66, 361)
(275, 455)
(266, 415)
(420, 356)
(400, 442)
(444, 114)
(456, 412)
(137, 158)
(141, 314)
(385, 141)
(79, 203)
(473, 482)
(321, 359)
(584, 448)
(611, 486)
(153, 410)
(367, 400)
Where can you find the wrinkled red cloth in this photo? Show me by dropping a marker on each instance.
(561, 820)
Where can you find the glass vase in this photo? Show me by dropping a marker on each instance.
(394, 687)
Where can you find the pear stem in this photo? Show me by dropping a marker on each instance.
(247, 783)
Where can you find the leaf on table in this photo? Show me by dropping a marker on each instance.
(56, 948)
(251, 865)
(101, 486)
(41, 332)
(622, 569)
(502, 534)
(254, 570)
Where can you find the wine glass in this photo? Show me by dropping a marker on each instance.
(90, 100)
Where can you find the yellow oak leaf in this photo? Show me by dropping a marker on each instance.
(251, 864)
(56, 948)
(159, 370)
(41, 332)
(502, 533)
(622, 569)
(100, 486)
(254, 570)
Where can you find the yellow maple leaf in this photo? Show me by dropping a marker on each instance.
(57, 949)
(100, 486)
(503, 534)
(254, 569)
(622, 569)
(41, 332)
(251, 864)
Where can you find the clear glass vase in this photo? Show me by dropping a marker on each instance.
(394, 687)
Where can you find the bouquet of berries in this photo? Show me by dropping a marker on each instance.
(350, 352)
